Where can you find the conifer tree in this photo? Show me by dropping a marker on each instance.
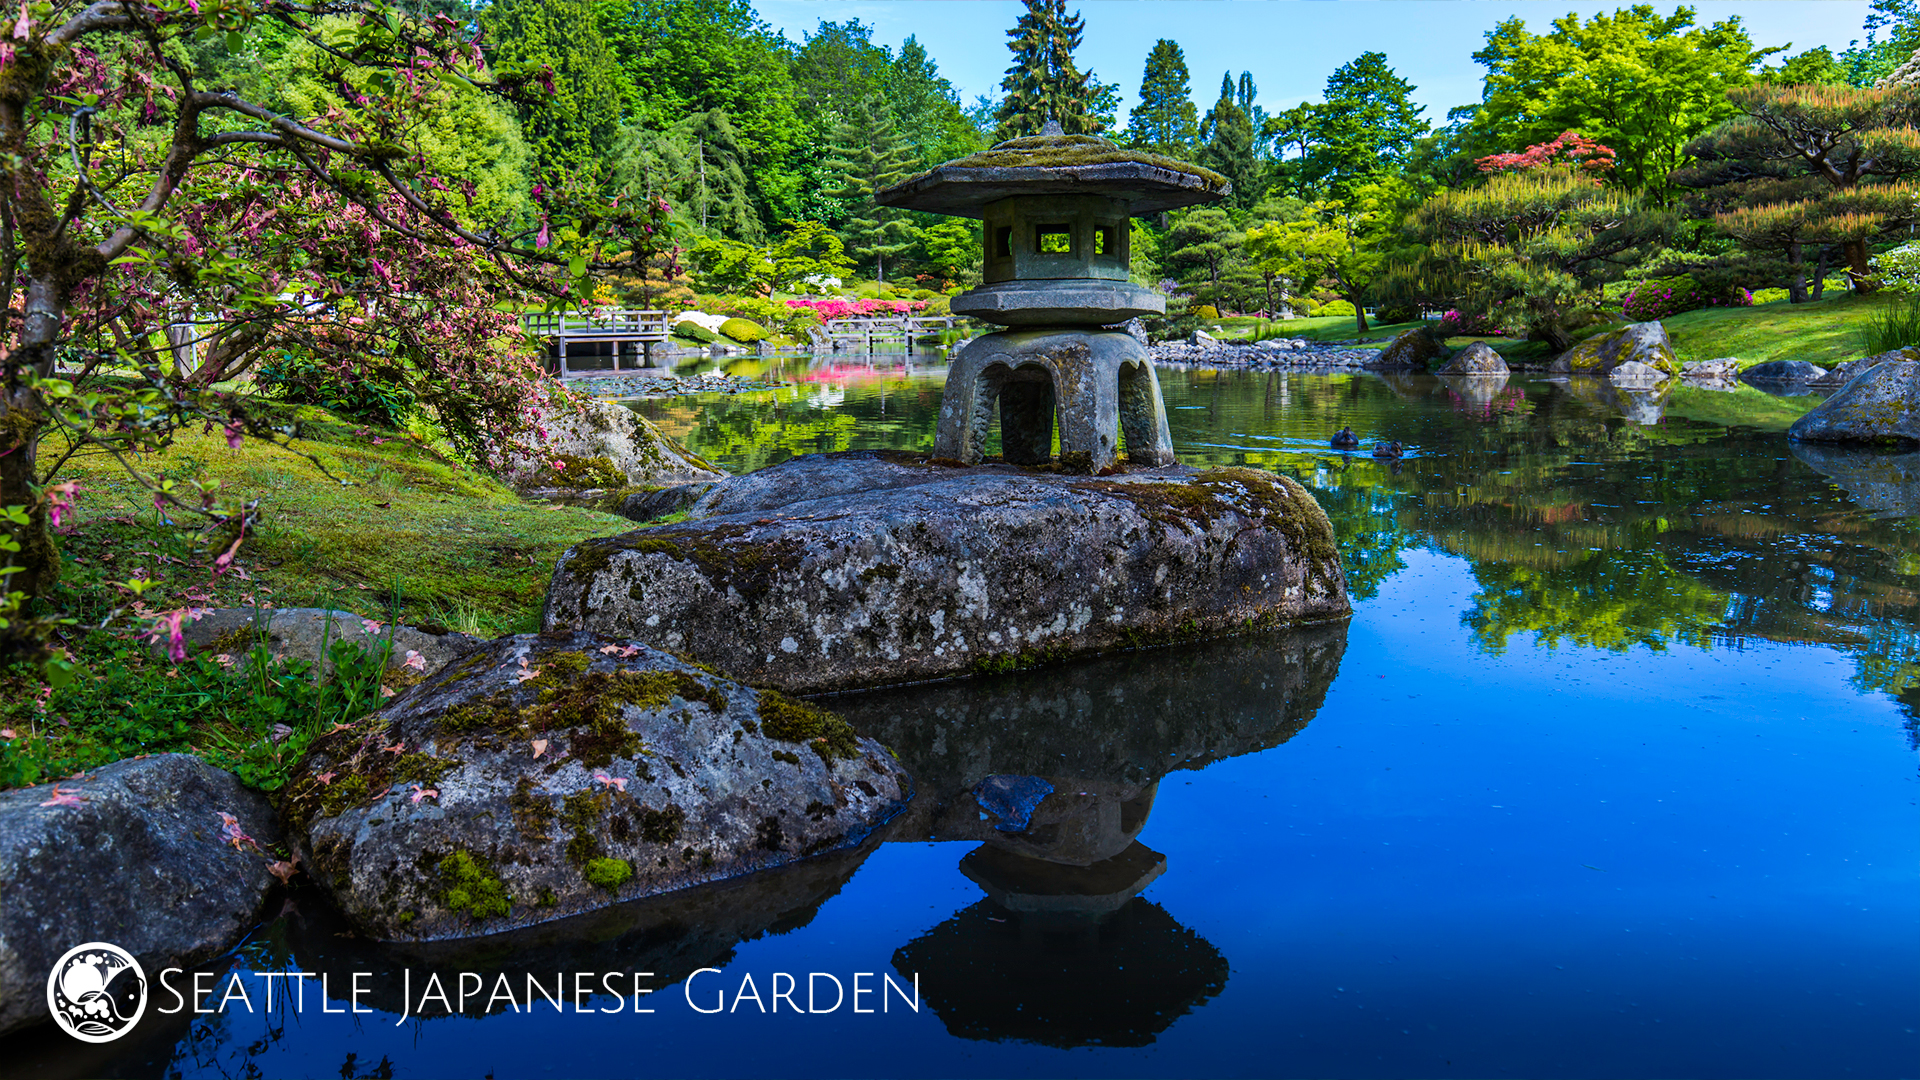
(1165, 121)
(1812, 165)
(574, 132)
(1229, 145)
(1043, 83)
(869, 154)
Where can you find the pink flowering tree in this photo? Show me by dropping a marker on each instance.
(159, 232)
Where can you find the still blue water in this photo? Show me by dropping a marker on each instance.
(1612, 773)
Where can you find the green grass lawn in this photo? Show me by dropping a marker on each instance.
(1825, 333)
(397, 531)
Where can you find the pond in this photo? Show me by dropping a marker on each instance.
(1612, 773)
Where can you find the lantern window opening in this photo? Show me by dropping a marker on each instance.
(1103, 240)
(1003, 242)
(1053, 239)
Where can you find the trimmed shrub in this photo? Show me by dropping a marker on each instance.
(1205, 311)
(687, 328)
(1768, 296)
(743, 331)
(1334, 308)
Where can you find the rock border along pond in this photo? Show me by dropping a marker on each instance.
(867, 568)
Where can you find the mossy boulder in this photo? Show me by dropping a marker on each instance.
(1414, 350)
(584, 444)
(744, 331)
(1879, 405)
(1478, 359)
(836, 571)
(1644, 342)
(542, 776)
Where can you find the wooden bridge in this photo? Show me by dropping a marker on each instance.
(880, 333)
(579, 343)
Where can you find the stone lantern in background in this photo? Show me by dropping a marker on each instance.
(1055, 212)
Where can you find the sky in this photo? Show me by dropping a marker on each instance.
(1290, 46)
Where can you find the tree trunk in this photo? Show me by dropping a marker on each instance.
(1859, 274)
(22, 420)
(1556, 338)
(1819, 287)
(1796, 277)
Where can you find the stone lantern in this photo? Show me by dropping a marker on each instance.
(1055, 216)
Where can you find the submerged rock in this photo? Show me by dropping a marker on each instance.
(545, 776)
(599, 444)
(1477, 359)
(656, 503)
(1598, 355)
(164, 856)
(1413, 350)
(906, 572)
(1878, 405)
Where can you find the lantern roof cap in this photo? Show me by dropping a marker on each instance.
(1144, 182)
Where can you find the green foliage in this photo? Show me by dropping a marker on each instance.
(687, 328)
(251, 713)
(1367, 124)
(868, 154)
(1205, 311)
(1640, 82)
(807, 255)
(950, 248)
(1043, 83)
(1334, 309)
(1893, 324)
(729, 266)
(572, 136)
(1528, 251)
(298, 379)
(1228, 135)
(1815, 67)
(1165, 120)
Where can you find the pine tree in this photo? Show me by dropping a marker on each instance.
(869, 154)
(1243, 96)
(1229, 145)
(1043, 84)
(1165, 121)
(574, 132)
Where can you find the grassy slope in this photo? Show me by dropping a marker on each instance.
(408, 534)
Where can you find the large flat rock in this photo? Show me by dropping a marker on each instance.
(543, 776)
(959, 572)
(136, 854)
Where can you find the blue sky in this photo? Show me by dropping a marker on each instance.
(1291, 46)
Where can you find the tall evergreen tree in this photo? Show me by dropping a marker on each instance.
(1043, 83)
(1165, 121)
(926, 108)
(1367, 124)
(573, 134)
(1244, 94)
(1229, 145)
(869, 154)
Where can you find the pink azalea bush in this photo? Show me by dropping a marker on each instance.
(1658, 298)
(843, 309)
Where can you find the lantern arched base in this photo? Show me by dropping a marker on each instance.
(1097, 386)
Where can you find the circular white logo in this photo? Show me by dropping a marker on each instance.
(97, 992)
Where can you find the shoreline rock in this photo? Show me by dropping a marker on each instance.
(1644, 342)
(1878, 405)
(143, 859)
(858, 569)
(545, 776)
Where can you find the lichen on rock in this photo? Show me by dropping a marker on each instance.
(546, 775)
(838, 571)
